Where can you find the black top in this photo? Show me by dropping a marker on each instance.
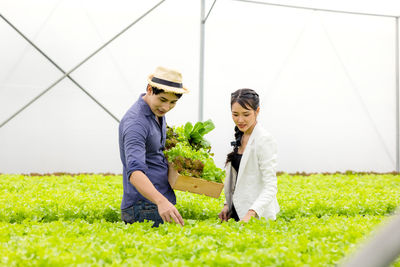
(235, 164)
(236, 161)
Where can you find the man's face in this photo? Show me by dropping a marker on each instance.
(162, 103)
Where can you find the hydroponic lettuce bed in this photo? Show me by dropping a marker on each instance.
(72, 220)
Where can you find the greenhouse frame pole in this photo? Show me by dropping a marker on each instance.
(203, 19)
(59, 68)
(397, 95)
(67, 74)
(201, 67)
(317, 9)
(382, 249)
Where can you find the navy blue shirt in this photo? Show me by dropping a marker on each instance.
(141, 144)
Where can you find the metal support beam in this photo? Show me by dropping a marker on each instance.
(382, 249)
(201, 74)
(318, 9)
(208, 14)
(59, 68)
(78, 65)
(397, 96)
(203, 19)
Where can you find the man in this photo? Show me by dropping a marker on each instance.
(142, 134)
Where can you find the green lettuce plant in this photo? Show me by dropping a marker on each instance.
(190, 153)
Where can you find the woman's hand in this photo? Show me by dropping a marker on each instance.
(249, 214)
(223, 215)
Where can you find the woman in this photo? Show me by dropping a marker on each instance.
(251, 183)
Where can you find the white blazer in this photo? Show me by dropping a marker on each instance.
(256, 183)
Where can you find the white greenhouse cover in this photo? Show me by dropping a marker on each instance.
(327, 80)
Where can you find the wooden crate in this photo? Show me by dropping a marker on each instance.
(193, 185)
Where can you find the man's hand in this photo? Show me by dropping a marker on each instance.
(165, 208)
(223, 215)
(168, 212)
(249, 214)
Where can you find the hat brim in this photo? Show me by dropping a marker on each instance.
(166, 88)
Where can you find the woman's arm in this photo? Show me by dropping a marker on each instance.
(266, 151)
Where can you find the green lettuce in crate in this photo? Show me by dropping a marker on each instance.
(189, 152)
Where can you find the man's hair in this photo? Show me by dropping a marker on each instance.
(157, 91)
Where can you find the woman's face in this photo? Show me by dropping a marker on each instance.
(245, 119)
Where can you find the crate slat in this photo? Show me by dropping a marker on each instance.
(193, 185)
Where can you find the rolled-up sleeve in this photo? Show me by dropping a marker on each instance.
(135, 147)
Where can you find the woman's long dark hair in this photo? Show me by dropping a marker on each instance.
(247, 98)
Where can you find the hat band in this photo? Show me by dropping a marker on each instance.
(165, 82)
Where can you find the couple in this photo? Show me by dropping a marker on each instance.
(250, 183)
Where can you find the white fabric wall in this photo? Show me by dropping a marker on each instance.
(327, 81)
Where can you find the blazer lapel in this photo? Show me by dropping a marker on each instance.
(246, 154)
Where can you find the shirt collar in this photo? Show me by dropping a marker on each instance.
(145, 107)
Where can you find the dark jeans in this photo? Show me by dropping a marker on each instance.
(141, 211)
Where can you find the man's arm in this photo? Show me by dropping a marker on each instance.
(165, 208)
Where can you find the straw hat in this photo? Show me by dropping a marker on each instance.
(167, 80)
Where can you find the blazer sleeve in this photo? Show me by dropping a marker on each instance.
(227, 184)
(230, 181)
(266, 151)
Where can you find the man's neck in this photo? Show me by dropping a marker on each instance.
(158, 119)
